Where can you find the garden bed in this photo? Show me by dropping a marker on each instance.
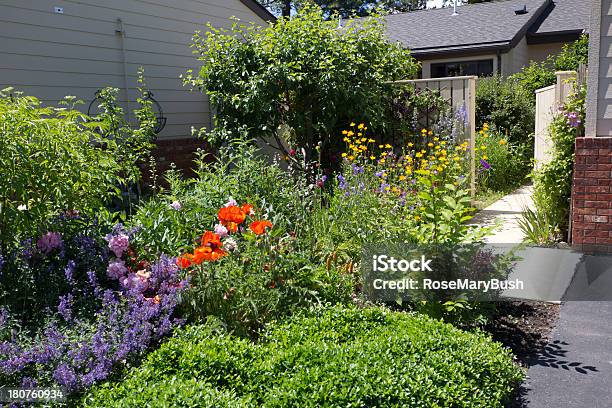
(524, 327)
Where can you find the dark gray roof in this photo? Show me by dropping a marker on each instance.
(481, 26)
(565, 16)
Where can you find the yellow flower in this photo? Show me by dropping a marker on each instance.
(344, 132)
(410, 144)
(436, 139)
(382, 161)
(351, 158)
(388, 146)
(402, 178)
(371, 140)
(344, 154)
(430, 132)
(417, 218)
(484, 157)
(419, 155)
(503, 142)
(352, 124)
(380, 146)
(361, 126)
(363, 139)
(372, 158)
(424, 131)
(430, 144)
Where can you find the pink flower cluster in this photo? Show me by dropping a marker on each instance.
(50, 241)
(116, 269)
(119, 244)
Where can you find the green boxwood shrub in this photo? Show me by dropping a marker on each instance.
(333, 357)
(507, 107)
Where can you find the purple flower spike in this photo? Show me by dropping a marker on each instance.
(50, 241)
(485, 164)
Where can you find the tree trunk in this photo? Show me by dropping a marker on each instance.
(286, 8)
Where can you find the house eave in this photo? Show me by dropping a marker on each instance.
(556, 37)
(260, 10)
(463, 50)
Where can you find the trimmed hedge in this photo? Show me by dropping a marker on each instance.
(334, 357)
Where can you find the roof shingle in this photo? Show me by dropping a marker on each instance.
(482, 25)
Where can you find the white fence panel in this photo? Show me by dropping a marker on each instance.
(545, 108)
(548, 101)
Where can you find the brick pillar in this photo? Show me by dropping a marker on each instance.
(592, 194)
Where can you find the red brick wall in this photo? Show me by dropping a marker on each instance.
(181, 152)
(592, 193)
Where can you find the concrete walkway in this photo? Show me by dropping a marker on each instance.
(506, 212)
(575, 369)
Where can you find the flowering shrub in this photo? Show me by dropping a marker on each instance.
(503, 166)
(247, 271)
(94, 307)
(419, 187)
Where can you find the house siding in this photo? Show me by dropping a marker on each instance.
(599, 120)
(50, 55)
(539, 52)
(516, 58)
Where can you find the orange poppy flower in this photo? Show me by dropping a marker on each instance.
(259, 227)
(184, 261)
(211, 249)
(247, 209)
(231, 216)
(211, 239)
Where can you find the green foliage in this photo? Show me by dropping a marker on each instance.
(539, 227)
(572, 55)
(54, 159)
(542, 74)
(510, 164)
(346, 8)
(335, 357)
(299, 79)
(263, 278)
(507, 107)
(553, 182)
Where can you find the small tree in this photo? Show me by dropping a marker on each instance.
(301, 79)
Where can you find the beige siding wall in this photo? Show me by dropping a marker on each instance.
(50, 55)
(539, 52)
(516, 58)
